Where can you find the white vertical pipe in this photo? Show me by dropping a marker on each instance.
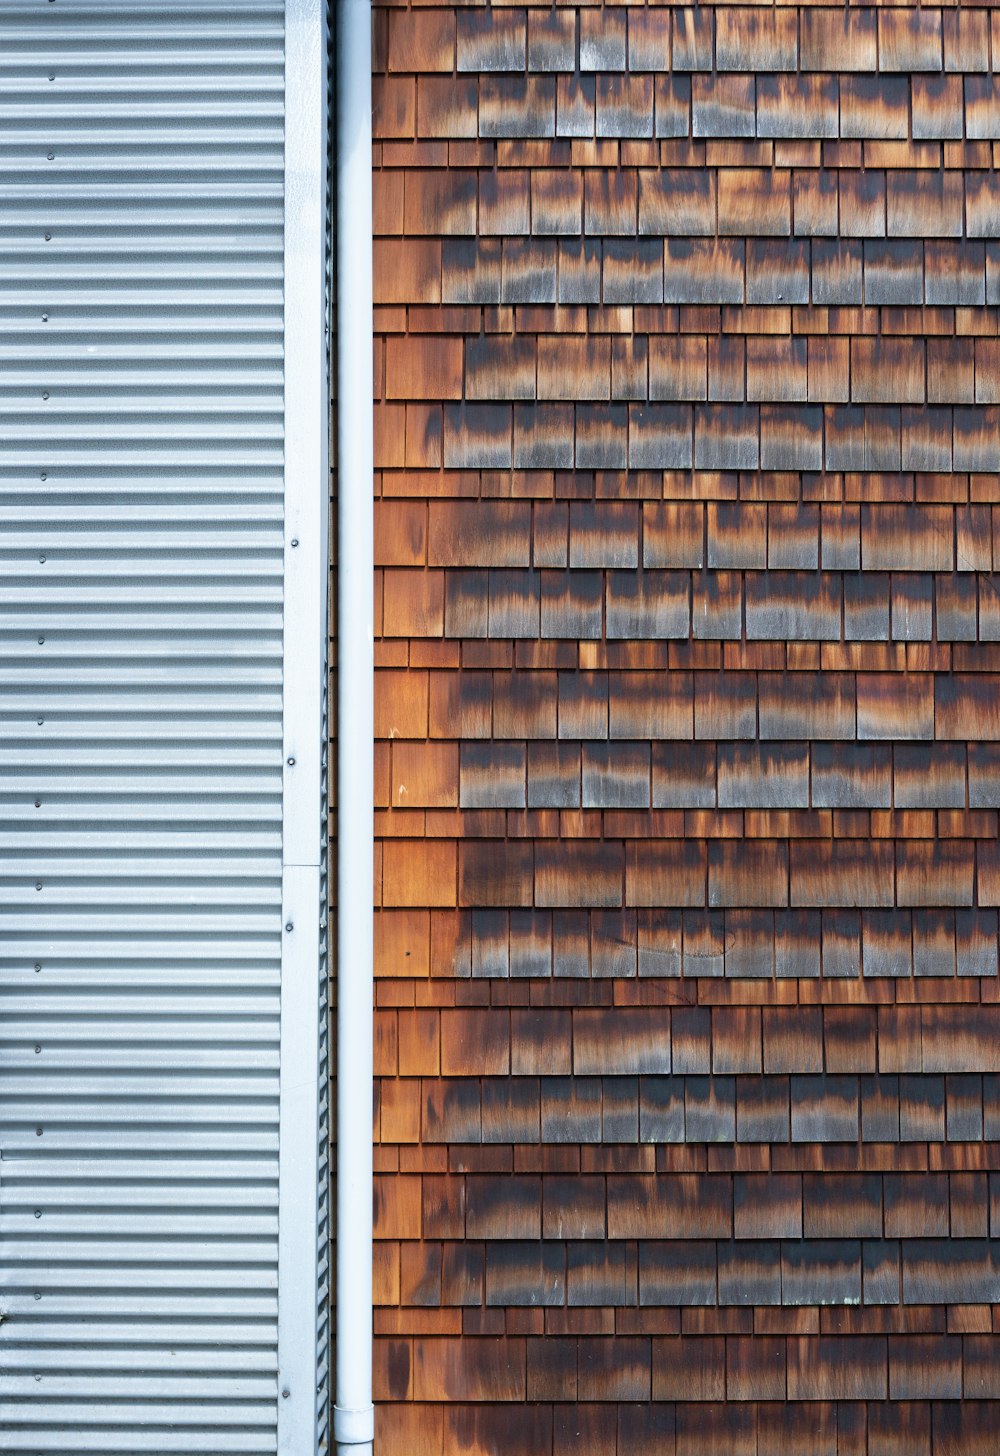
(354, 1415)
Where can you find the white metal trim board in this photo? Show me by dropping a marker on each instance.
(163, 485)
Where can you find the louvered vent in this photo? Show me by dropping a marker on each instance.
(141, 492)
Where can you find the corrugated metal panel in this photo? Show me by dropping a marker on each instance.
(141, 732)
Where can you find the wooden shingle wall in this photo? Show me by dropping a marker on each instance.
(688, 447)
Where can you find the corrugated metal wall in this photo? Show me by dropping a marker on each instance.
(141, 574)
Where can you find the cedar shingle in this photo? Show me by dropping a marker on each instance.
(551, 40)
(754, 203)
(491, 40)
(749, 1273)
(797, 105)
(624, 106)
(754, 40)
(838, 1368)
(838, 40)
(615, 1369)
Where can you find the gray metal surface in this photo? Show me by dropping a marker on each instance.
(141, 565)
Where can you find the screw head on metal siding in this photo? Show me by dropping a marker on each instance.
(289, 927)
(291, 763)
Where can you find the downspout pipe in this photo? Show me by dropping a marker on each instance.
(354, 1413)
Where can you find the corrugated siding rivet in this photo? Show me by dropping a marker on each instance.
(38, 885)
(48, 237)
(289, 927)
(295, 540)
(42, 560)
(41, 641)
(291, 763)
(37, 1050)
(284, 1395)
(38, 1132)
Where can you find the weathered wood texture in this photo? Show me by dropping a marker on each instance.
(687, 383)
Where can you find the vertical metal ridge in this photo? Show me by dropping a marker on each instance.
(302, 1214)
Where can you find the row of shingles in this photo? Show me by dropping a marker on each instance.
(704, 108)
(674, 703)
(724, 437)
(954, 279)
(691, 1109)
(825, 1427)
(939, 1038)
(789, 439)
(671, 366)
(660, 197)
(766, 872)
(698, 1274)
(765, 606)
(916, 1064)
(721, 535)
(902, 202)
(597, 368)
(821, 39)
(554, 223)
(519, 948)
(924, 113)
(663, 1278)
(743, 775)
(597, 775)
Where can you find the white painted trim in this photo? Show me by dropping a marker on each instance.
(354, 1414)
(304, 658)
